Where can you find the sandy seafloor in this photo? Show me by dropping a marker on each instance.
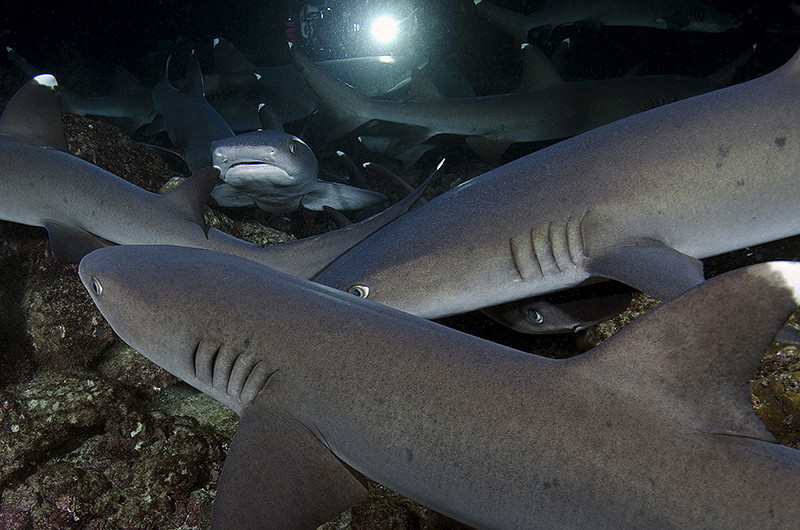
(94, 436)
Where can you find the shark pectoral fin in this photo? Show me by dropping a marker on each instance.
(71, 244)
(652, 267)
(154, 127)
(279, 475)
(490, 151)
(340, 197)
(228, 197)
(308, 257)
(190, 197)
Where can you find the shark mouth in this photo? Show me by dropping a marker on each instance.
(250, 171)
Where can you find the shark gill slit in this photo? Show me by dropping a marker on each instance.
(194, 358)
(555, 249)
(253, 377)
(575, 242)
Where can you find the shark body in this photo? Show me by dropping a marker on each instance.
(85, 207)
(682, 15)
(640, 201)
(277, 172)
(285, 90)
(189, 120)
(268, 168)
(653, 429)
(545, 108)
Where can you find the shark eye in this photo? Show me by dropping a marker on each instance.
(535, 316)
(97, 288)
(293, 147)
(359, 290)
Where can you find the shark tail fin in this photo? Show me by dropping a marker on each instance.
(229, 60)
(279, 475)
(717, 334)
(33, 115)
(189, 198)
(538, 73)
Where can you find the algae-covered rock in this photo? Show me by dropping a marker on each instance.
(64, 326)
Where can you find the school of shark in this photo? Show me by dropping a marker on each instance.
(367, 286)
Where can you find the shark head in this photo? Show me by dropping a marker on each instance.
(132, 295)
(269, 165)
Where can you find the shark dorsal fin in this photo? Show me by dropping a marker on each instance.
(704, 349)
(269, 120)
(33, 115)
(229, 60)
(538, 73)
(193, 85)
(190, 197)
(422, 88)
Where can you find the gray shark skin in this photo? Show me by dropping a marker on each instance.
(189, 120)
(85, 207)
(683, 15)
(652, 430)
(640, 201)
(546, 107)
(277, 172)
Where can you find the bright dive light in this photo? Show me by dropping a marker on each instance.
(384, 29)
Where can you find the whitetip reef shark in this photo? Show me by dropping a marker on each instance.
(652, 429)
(277, 172)
(545, 107)
(269, 168)
(84, 207)
(189, 120)
(640, 200)
(681, 15)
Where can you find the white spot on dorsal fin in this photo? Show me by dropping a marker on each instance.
(47, 80)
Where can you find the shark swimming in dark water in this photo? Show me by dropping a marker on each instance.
(277, 172)
(269, 168)
(84, 207)
(681, 15)
(545, 107)
(640, 200)
(652, 429)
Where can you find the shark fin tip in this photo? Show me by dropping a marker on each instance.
(790, 273)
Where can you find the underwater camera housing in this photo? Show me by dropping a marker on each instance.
(342, 29)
